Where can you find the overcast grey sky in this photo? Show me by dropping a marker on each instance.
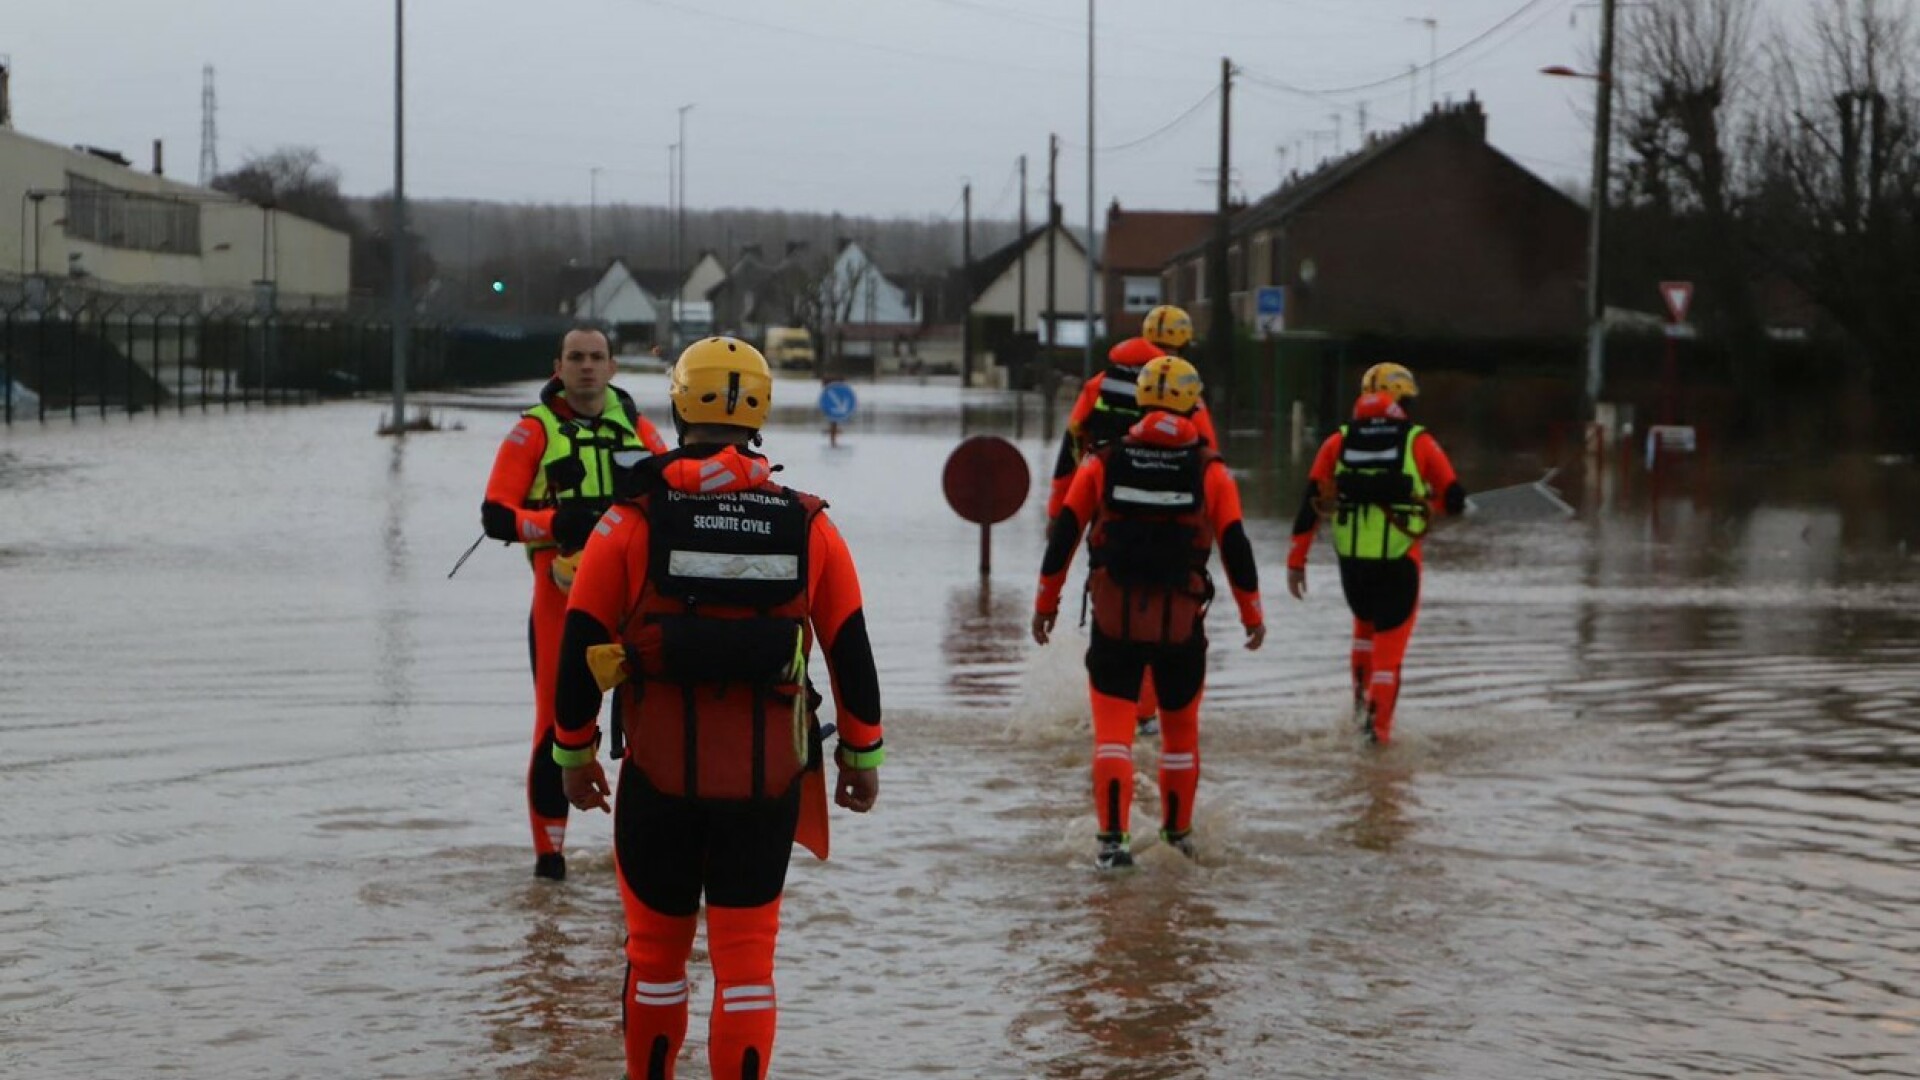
(863, 106)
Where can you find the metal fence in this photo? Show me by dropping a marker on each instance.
(68, 352)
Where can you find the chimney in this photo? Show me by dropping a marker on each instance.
(158, 169)
(6, 92)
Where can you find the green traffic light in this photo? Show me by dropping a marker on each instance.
(499, 286)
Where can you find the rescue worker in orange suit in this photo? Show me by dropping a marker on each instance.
(1156, 502)
(712, 586)
(1106, 408)
(554, 474)
(1381, 477)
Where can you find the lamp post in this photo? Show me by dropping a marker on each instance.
(593, 262)
(400, 261)
(1086, 360)
(679, 236)
(1597, 205)
(38, 197)
(680, 218)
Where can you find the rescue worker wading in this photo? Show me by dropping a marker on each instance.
(553, 475)
(705, 594)
(1156, 501)
(1107, 407)
(1381, 478)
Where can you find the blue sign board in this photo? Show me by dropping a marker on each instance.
(1270, 309)
(837, 401)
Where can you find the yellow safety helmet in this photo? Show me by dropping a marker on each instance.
(1168, 327)
(1170, 383)
(722, 380)
(1393, 380)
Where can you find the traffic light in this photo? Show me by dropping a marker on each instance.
(499, 286)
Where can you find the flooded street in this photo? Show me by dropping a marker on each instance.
(1651, 809)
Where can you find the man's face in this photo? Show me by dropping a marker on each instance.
(584, 365)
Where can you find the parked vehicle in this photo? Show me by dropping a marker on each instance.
(788, 347)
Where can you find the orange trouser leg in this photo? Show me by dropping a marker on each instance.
(740, 942)
(1389, 649)
(1149, 701)
(1179, 765)
(1362, 659)
(1113, 726)
(654, 1005)
(546, 799)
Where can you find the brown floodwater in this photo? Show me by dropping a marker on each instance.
(1653, 808)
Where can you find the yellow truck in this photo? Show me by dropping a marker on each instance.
(789, 347)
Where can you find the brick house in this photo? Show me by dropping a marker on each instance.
(1139, 243)
(1425, 232)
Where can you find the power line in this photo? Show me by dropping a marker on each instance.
(1156, 132)
(1412, 72)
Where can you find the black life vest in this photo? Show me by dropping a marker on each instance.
(1149, 543)
(720, 637)
(1115, 410)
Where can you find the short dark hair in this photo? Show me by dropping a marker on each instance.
(587, 328)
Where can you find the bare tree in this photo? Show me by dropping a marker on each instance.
(1687, 91)
(1838, 204)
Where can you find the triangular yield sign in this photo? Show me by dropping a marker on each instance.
(1679, 296)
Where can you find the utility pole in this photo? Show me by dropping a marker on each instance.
(1020, 318)
(1363, 125)
(1337, 130)
(1597, 212)
(966, 270)
(1086, 361)
(401, 327)
(1053, 236)
(1219, 296)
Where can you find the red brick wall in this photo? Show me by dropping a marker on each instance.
(1441, 236)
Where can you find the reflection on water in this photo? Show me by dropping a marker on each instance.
(1650, 798)
(984, 643)
(1382, 795)
(1138, 1004)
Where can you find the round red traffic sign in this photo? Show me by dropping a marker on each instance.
(986, 479)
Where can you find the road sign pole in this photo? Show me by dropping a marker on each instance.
(1669, 377)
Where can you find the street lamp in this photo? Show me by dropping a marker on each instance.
(1597, 204)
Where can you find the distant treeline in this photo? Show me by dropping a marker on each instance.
(473, 242)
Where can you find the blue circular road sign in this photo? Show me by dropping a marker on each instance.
(837, 401)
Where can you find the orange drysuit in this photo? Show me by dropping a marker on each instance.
(521, 506)
(1105, 409)
(711, 581)
(1383, 594)
(1150, 590)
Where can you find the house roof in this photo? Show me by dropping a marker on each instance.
(1146, 239)
(1301, 192)
(986, 270)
